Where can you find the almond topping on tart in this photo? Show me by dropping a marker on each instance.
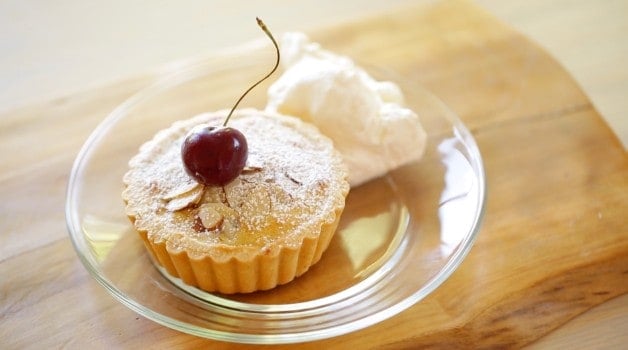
(181, 191)
(185, 199)
(251, 169)
(211, 218)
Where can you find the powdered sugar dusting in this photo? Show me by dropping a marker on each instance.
(292, 181)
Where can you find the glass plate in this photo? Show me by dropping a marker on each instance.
(399, 238)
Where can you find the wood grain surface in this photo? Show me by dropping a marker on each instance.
(554, 242)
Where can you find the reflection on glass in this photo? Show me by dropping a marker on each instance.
(358, 241)
(460, 193)
(101, 235)
(369, 241)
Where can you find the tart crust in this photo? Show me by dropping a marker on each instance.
(265, 228)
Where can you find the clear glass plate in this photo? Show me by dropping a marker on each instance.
(401, 236)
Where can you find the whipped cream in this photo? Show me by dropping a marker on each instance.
(364, 118)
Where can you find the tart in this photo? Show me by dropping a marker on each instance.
(263, 229)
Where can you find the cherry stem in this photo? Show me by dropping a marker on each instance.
(265, 29)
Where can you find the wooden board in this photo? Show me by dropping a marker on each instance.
(553, 245)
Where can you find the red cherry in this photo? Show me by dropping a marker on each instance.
(214, 156)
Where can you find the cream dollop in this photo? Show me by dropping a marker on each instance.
(365, 118)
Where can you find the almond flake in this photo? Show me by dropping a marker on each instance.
(209, 216)
(186, 200)
(233, 193)
(251, 169)
(181, 191)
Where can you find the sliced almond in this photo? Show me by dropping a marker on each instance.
(186, 200)
(251, 170)
(181, 191)
(210, 217)
(256, 202)
(233, 193)
(254, 161)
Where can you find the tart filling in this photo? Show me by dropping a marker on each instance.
(264, 228)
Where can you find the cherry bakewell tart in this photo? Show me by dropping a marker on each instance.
(264, 228)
